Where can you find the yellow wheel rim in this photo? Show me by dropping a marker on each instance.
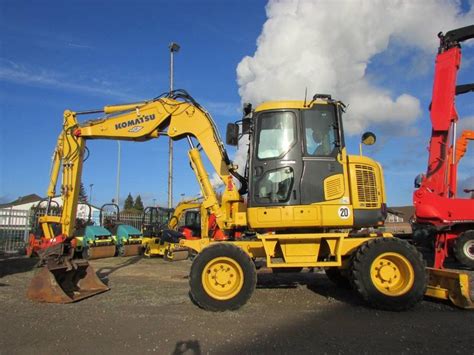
(392, 274)
(222, 278)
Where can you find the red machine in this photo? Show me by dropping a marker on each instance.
(435, 200)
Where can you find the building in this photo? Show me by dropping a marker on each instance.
(26, 203)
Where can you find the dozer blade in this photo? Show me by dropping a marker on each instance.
(62, 284)
(100, 252)
(176, 255)
(452, 285)
(132, 249)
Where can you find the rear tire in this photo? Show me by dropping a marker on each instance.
(389, 274)
(222, 277)
(464, 248)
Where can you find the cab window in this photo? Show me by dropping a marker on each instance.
(277, 134)
(275, 186)
(320, 129)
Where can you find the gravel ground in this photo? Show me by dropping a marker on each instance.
(148, 310)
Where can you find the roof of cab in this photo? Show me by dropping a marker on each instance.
(276, 105)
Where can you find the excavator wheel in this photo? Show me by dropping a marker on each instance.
(389, 274)
(222, 277)
(464, 249)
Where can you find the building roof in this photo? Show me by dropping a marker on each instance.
(22, 200)
(31, 198)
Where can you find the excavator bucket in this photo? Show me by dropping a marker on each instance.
(451, 285)
(65, 283)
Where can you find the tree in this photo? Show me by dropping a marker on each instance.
(82, 194)
(128, 204)
(138, 203)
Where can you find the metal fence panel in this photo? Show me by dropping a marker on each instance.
(14, 230)
(15, 226)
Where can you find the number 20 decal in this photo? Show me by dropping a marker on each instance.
(344, 212)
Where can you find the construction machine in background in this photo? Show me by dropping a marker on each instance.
(188, 218)
(127, 239)
(304, 201)
(93, 241)
(438, 209)
(154, 220)
(161, 232)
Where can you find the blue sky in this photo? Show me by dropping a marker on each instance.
(80, 55)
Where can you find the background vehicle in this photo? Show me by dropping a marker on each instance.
(93, 242)
(127, 239)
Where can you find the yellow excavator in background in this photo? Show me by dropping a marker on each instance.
(303, 202)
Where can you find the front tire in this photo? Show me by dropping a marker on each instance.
(222, 277)
(389, 274)
(464, 249)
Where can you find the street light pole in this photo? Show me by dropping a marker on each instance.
(117, 193)
(174, 47)
(90, 193)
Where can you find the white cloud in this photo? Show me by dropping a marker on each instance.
(466, 123)
(326, 46)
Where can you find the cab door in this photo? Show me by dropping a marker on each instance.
(276, 160)
(322, 177)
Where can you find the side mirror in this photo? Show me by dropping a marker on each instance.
(368, 138)
(232, 134)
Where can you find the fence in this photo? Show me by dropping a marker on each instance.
(14, 230)
(15, 226)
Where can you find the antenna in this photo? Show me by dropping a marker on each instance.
(305, 95)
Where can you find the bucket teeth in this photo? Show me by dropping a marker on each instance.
(65, 285)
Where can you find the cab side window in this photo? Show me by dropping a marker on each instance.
(320, 132)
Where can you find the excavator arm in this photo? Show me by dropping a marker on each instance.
(177, 116)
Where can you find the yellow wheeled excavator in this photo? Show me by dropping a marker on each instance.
(303, 201)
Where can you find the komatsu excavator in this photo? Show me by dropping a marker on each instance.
(437, 206)
(303, 202)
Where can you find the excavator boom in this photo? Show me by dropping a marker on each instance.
(178, 116)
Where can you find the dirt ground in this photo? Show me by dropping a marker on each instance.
(148, 310)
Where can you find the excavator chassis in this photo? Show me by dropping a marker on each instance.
(450, 285)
